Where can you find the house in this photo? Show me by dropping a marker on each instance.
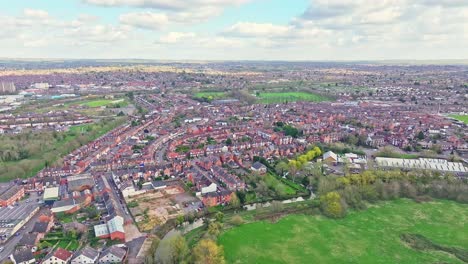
(24, 256)
(217, 198)
(87, 255)
(41, 227)
(113, 254)
(113, 229)
(259, 167)
(29, 240)
(46, 216)
(59, 256)
(80, 182)
(330, 157)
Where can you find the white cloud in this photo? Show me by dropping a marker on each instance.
(168, 4)
(36, 13)
(146, 20)
(248, 29)
(176, 37)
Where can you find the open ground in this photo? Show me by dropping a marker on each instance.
(370, 236)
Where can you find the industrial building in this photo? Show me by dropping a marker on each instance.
(11, 195)
(51, 195)
(422, 164)
(12, 218)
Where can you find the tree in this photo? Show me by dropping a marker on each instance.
(208, 252)
(172, 250)
(214, 229)
(420, 135)
(92, 212)
(331, 205)
(150, 257)
(235, 202)
(237, 220)
(281, 167)
(219, 216)
(229, 141)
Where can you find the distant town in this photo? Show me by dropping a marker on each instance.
(102, 162)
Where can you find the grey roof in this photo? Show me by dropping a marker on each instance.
(28, 239)
(79, 182)
(115, 250)
(88, 252)
(24, 255)
(40, 227)
(9, 192)
(257, 165)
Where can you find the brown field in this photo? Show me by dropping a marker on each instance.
(156, 207)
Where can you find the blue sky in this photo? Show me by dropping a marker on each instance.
(235, 29)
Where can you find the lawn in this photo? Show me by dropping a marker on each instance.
(463, 118)
(281, 97)
(370, 236)
(280, 187)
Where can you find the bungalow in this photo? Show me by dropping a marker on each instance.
(113, 254)
(87, 255)
(59, 256)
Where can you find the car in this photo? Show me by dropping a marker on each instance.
(1, 249)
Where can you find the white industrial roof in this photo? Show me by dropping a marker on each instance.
(422, 163)
(51, 193)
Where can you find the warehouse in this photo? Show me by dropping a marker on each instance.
(51, 195)
(422, 164)
(12, 218)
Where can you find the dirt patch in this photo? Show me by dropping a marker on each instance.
(156, 207)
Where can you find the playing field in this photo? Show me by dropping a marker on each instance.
(370, 236)
(212, 95)
(282, 97)
(99, 103)
(463, 118)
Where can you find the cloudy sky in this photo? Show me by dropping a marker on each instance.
(235, 29)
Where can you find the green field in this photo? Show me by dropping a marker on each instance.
(370, 236)
(211, 95)
(98, 103)
(281, 97)
(463, 118)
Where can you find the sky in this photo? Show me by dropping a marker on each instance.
(235, 29)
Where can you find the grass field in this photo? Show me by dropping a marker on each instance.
(98, 103)
(463, 118)
(274, 183)
(370, 236)
(211, 95)
(281, 97)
